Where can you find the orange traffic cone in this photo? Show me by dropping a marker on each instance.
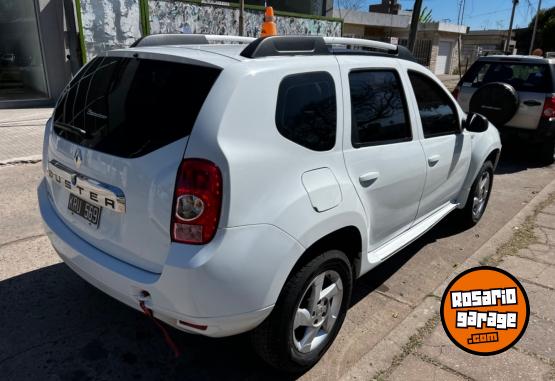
(269, 27)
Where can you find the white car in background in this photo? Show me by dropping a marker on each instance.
(237, 188)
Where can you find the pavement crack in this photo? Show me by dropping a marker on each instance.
(393, 297)
(19, 162)
(539, 316)
(535, 259)
(543, 359)
(538, 284)
(434, 362)
(24, 239)
(411, 346)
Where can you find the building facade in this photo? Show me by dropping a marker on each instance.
(477, 43)
(437, 44)
(33, 63)
(44, 42)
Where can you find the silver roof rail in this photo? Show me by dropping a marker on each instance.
(188, 39)
(347, 41)
(238, 39)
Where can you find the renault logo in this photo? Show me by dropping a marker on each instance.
(77, 158)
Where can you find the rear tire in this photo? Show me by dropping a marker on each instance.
(308, 314)
(546, 152)
(478, 198)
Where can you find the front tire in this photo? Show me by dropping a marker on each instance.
(478, 198)
(308, 314)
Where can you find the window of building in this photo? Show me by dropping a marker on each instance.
(22, 75)
(307, 110)
(378, 108)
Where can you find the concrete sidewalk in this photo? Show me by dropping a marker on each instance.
(450, 81)
(419, 349)
(21, 133)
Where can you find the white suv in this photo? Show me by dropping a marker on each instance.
(236, 189)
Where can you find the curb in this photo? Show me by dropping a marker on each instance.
(383, 354)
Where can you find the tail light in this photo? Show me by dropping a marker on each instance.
(456, 92)
(549, 108)
(197, 202)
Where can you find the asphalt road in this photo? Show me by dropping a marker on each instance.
(54, 326)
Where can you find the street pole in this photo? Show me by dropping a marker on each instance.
(510, 36)
(414, 24)
(535, 28)
(460, 22)
(241, 17)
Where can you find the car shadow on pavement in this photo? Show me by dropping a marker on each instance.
(517, 158)
(56, 326)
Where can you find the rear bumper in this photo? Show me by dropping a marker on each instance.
(544, 132)
(230, 285)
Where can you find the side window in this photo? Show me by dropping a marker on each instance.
(437, 112)
(378, 108)
(307, 110)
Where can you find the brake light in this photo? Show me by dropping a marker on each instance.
(549, 108)
(197, 202)
(456, 92)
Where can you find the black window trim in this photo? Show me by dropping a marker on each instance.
(453, 106)
(337, 120)
(405, 107)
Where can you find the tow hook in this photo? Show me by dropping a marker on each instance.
(143, 298)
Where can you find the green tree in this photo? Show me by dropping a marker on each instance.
(545, 38)
(426, 16)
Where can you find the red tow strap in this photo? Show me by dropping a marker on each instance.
(167, 338)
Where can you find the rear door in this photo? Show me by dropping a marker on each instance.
(383, 155)
(118, 135)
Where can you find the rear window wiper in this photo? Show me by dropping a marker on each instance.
(70, 128)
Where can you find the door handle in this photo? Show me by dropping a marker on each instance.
(532, 103)
(368, 179)
(433, 160)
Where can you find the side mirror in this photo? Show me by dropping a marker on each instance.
(476, 123)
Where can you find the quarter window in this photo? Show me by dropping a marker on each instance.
(307, 110)
(438, 114)
(378, 108)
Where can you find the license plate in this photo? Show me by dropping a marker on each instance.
(88, 211)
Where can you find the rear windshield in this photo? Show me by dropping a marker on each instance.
(523, 77)
(129, 107)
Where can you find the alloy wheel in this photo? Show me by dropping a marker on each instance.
(317, 311)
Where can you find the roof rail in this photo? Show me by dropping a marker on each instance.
(188, 39)
(286, 46)
(317, 45)
(362, 43)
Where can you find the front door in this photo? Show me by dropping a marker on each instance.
(447, 147)
(383, 155)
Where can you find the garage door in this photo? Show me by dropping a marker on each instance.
(443, 57)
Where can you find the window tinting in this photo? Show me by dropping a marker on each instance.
(129, 107)
(437, 112)
(523, 77)
(306, 110)
(378, 109)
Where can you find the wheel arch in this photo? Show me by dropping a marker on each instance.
(485, 146)
(347, 239)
